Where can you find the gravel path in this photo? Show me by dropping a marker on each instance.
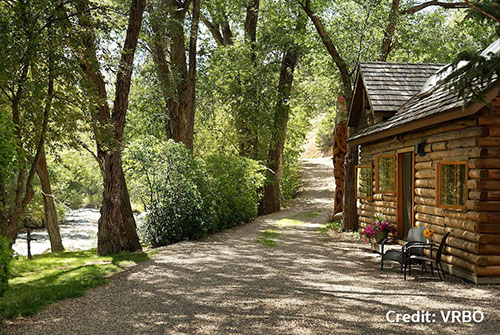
(228, 283)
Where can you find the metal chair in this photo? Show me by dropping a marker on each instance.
(415, 235)
(422, 259)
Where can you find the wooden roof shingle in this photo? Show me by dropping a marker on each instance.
(390, 85)
(432, 97)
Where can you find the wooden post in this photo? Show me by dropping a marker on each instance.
(350, 218)
(28, 240)
(339, 153)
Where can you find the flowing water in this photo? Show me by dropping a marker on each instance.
(78, 232)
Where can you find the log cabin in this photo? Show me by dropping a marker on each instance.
(429, 156)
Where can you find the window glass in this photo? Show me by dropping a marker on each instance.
(452, 184)
(386, 170)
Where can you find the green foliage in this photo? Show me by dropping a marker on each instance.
(234, 184)
(330, 226)
(419, 42)
(55, 276)
(8, 146)
(188, 198)
(5, 260)
(177, 211)
(472, 72)
(324, 132)
(298, 126)
(76, 178)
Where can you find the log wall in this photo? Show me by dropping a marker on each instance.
(474, 244)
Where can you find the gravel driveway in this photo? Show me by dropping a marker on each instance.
(231, 283)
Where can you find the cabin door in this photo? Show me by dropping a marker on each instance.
(405, 193)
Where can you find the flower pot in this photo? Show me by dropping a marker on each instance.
(380, 236)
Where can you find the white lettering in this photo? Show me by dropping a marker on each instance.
(445, 317)
(455, 316)
(477, 320)
(388, 318)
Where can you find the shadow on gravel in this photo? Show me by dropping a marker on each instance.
(309, 283)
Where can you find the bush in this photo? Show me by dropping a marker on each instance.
(5, 259)
(187, 198)
(177, 211)
(233, 188)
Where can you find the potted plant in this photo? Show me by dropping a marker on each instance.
(379, 230)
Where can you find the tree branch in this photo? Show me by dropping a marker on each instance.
(417, 8)
(331, 48)
(388, 42)
(480, 10)
(214, 29)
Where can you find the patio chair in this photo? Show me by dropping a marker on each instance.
(422, 259)
(415, 235)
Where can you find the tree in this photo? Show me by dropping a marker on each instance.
(249, 140)
(117, 229)
(388, 44)
(177, 74)
(28, 91)
(271, 201)
(49, 204)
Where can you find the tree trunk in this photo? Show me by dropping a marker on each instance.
(332, 50)
(271, 201)
(249, 138)
(157, 46)
(117, 230)
(388, 42)
(350, 219)
(49, 205)
(180, 113)
(251, 19)
(193, 38)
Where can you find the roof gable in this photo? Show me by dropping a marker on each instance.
(433, 100)
(388, 86)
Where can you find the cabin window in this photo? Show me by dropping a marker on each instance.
(364, 182)
(385, 172)
(452, 184)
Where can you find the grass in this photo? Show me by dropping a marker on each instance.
(267, 237)
(304, 216)
(55, 276)
(286, 222)
(267, 242)
(335, 226)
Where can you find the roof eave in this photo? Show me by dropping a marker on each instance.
(449, 115)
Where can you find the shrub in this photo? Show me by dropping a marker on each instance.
(177, 211)
(187, 198)
(233, 188)
(5, 259)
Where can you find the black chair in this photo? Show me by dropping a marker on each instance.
(422, 259)
(415, 235)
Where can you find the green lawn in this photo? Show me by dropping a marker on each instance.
(55, 276)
